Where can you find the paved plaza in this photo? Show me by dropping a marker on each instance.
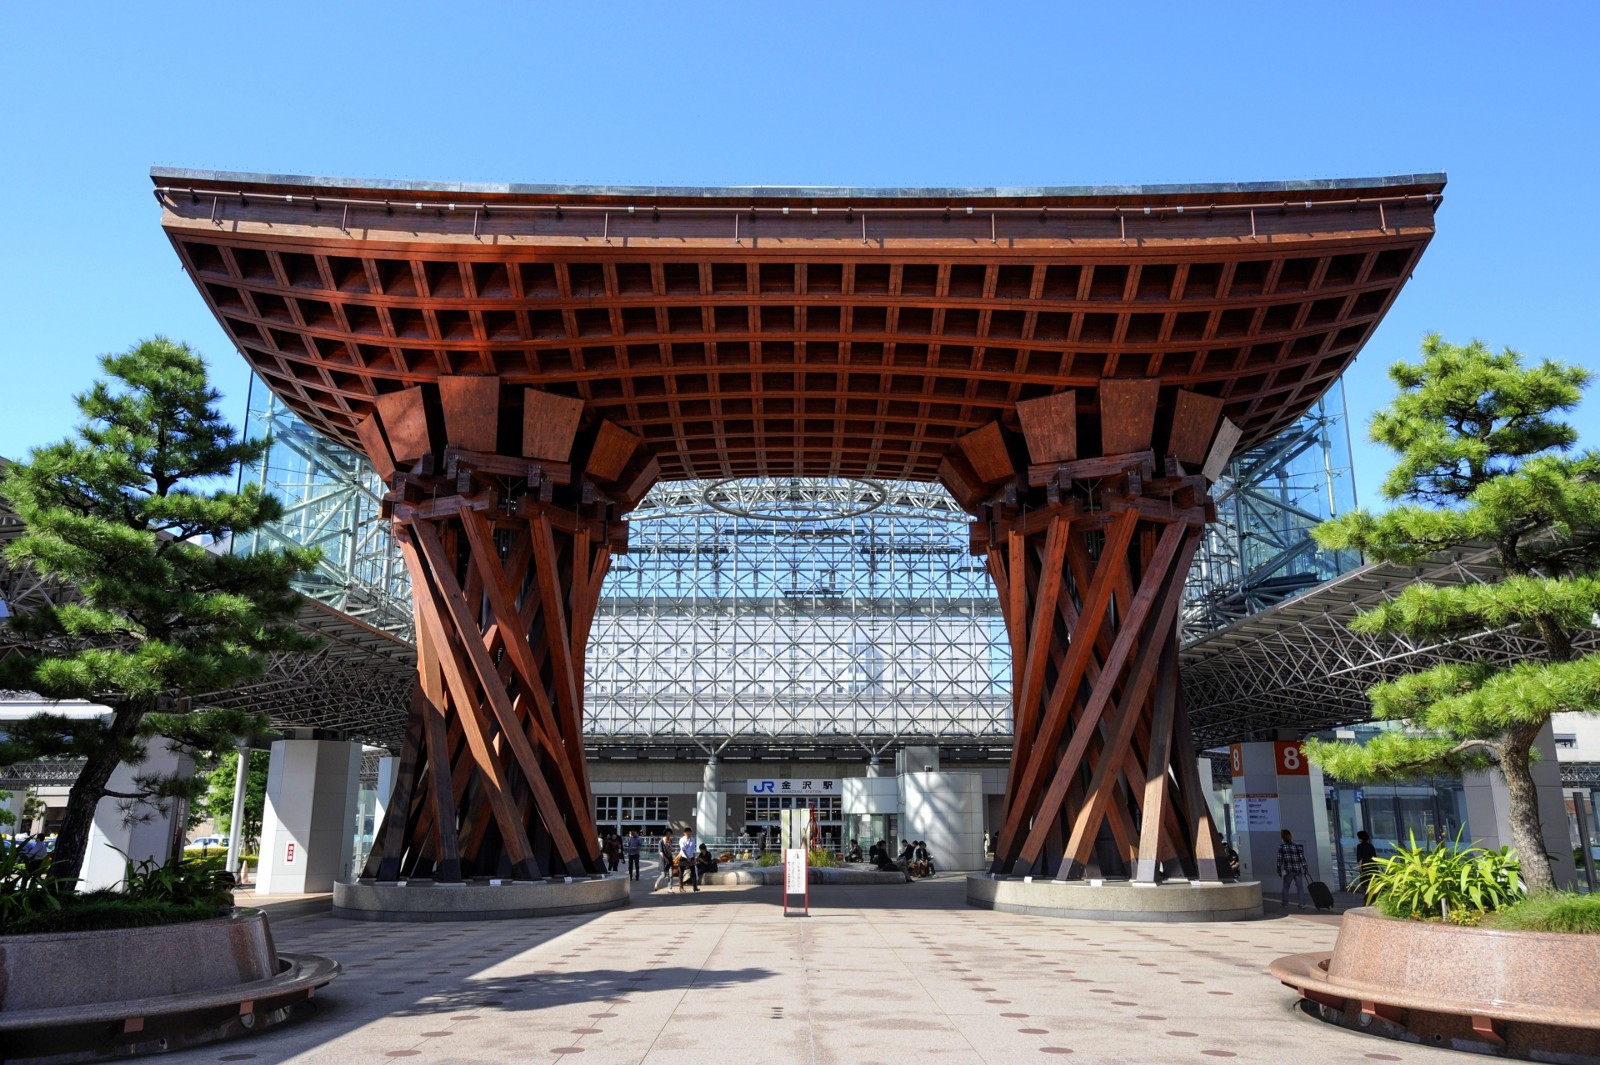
(882, 974)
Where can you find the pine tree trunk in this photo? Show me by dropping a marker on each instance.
(72, 840)
(1527, 836)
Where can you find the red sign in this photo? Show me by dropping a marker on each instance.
(1291, 760)
(288, 853)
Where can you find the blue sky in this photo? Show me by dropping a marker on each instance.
(1501, 97)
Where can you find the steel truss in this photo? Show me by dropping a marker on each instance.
(1259, 551)
(796, 613)
(331, 499)
(1298, 667)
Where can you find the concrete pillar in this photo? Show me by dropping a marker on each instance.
(308, 828)
(710, 804)
(151, 839)
(874, 767)
(1276, 787)
(945, 810)
(1488, 805)
(387, 767)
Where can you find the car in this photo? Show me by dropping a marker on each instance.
(204, 843)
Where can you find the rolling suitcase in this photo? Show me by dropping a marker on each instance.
(1321, 897)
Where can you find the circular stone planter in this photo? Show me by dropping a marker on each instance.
(1171, 901)
(82, 996)
(1517, 994)
(476, 900)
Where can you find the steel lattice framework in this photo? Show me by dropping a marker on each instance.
(795, 612)
(1297, 666)
(1259, 551)
(331, 499)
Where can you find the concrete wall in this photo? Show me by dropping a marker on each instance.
(1275, 788)
(113, 841)
(870, 795)
(945, 809)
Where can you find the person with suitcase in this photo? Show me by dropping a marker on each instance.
(1292, 868)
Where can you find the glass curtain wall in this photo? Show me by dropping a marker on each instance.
(1259, 551)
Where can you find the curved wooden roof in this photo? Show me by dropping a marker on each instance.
(816, 332)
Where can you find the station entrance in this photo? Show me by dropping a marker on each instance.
(521, 365)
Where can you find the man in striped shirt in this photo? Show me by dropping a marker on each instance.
(1292, 868)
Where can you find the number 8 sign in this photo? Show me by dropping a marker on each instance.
(1291, 760)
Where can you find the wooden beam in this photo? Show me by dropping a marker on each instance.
(1050, 425)
(1128, 633)
(1160, 755)
(471, 411)
(1091, 614)
(549, 424)
(375, 447)
(485, 560)
(1228, 435)
(1127, 413)
(613, 448)
(435, 604)
(985, 449)
(405, 424)
(1194, 420)
(961, 481)
(1166, 581)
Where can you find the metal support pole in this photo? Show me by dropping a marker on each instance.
(1579, 800)
(236, 822)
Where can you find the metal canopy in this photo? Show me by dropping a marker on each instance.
(1297, 667)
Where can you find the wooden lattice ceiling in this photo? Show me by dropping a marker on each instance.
(823, 332)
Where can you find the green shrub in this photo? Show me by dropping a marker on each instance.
(26, 892)
(822, 857)
(769, 858)
(1446, 882)
(110, 910)
(175, 881)
(1560, 911)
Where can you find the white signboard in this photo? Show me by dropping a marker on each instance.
(1259, 813)
(791, 786)
(794, 872)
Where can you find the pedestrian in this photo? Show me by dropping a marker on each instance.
(634, 845)
(664, 852)
(1292, 868)
(35, 851)
(1366, 861)
(613, 852)
(687, 848)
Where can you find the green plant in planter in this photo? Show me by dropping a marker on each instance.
(1559, 911)
(175, 881)
(768, 859)
(25, 890)
(1452, 882)
(822, 857)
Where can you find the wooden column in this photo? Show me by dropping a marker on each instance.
(1089, 554)
(506, 553)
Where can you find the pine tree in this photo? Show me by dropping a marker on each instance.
(1481, 461)
(127, 513)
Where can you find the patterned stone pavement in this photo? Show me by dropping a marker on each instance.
(875, 974)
